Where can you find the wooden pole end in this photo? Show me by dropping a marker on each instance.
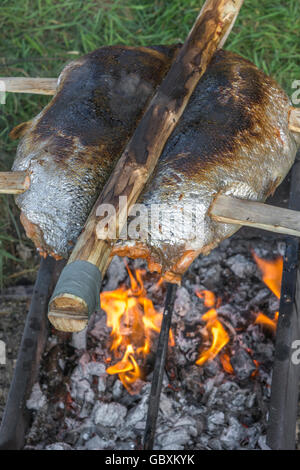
(67, 323)
(68, 313)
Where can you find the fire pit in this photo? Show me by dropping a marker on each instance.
(93, 392)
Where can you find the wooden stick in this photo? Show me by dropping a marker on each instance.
(47, 86)
(230, 210)
(14, 182)
(141, 154)
(294, 121)
(42, 86)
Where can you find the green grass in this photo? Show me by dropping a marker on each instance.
(38, 37)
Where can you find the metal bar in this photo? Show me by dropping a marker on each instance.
(16, 417)
(281, 434)
(159, 366)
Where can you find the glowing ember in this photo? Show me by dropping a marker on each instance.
(132, 319)
(267, 322)
(225, 361)
(272, 273)
(213, 328)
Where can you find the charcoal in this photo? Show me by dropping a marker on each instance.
(212, 277)
(116, 273)
(215, 444)
(216, 418)
(137, 413)
(242, 364)
(79, 339)
(178, 437)
(262, 443)
(95, 368)
(212, 368)
(82, 391)
(201, 408)
(182, 302)
(166, 406)
(59, 446)
(117, 389)
(232, 435)
(96, 443)
(241, 267)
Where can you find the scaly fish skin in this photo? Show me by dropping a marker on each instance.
(232, 138)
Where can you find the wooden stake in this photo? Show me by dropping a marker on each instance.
(47, 86)
(141, 154)
(294, 121)
(230, 210)
(42, 86)
(14, 182)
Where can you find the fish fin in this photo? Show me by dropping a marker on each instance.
(19, 130)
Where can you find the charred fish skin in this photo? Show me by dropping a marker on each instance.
(71, 147)
(233, 138)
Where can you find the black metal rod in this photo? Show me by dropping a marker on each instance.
(281, 434)
(159, 366)
(16, 417)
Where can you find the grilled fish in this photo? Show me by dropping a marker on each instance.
(232, 138)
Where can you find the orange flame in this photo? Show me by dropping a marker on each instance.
(213, 328)
(132, 319)
(272, 277)
(267, 322)
(272, 273)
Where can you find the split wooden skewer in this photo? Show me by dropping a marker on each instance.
(47, 86)
(294, 120)
(71, 303)
(41, 86)
(231, 210)
(225, 209)
(14, 182)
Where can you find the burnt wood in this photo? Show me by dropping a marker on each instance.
(139, 158)
(281, 434)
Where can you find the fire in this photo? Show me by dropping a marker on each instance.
(267, 322)
(133, 319)
(213, 328)
(272, 277)
(272, 273)
(215, 332)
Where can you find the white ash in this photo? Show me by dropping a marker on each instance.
(79, 339)
(58, 446)
(116, 273)
(37, 399)
(240, 266)
(109, 414)
(200, 407)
